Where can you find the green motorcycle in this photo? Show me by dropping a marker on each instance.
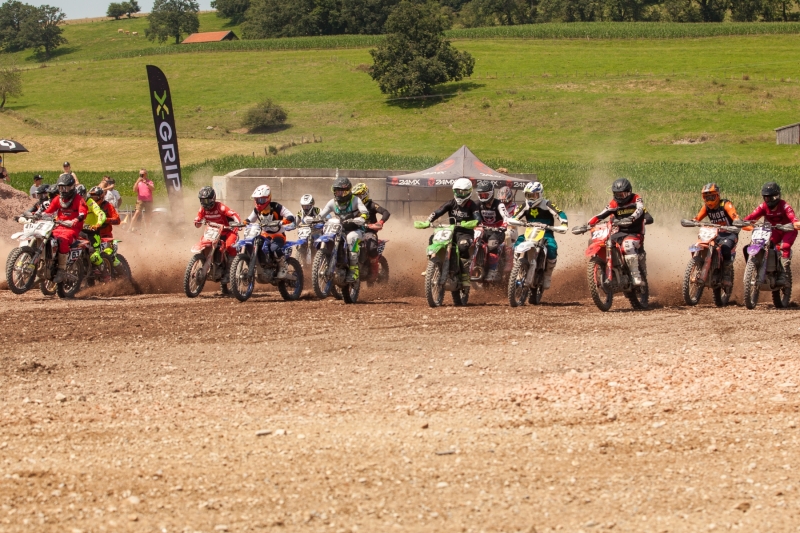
(444, 264)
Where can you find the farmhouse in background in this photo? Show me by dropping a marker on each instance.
(788, 134)
(210, 37)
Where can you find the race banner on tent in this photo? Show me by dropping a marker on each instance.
(167, 136)
(462, 164)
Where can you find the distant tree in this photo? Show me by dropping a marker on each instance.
(415, 55)
(231, 9)
(10, 83)
(172, 18)
(264, 116)
(115, 10)
(279, 18)
(364, 16)
(131, 8)
(41, 30)
(12, 16)
(746, 10)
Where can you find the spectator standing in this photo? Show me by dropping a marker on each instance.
(144, 197)
(112, 195)
(68, 170)
(37, 182)
(3, 171)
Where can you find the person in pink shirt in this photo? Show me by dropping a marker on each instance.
(144, 197)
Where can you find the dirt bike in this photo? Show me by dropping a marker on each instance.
(705, 268)
(607, 272)
(306, 235)
(365, 265)
(444, 264)
(764, 266)
(36, 259)
(208, 262)
(331, 263)
(256, 262)
(525, 284)
(478, 266)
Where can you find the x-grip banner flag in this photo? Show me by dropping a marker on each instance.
(167, 137)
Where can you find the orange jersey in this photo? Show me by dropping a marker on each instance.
(724, 215)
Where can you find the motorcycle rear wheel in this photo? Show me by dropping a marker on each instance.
(460, 297)
(535, 296)
(783, 296)
(517, 291)
(383, 272)
(192, 286)
(751, 288)
(351, 291)
(595, 273)
(320, 283)
(18, 262)
(242, 281)
(434, 292)
(692, 292)
(47, 287)
(67, 289)
(291, 290)
(639, 297)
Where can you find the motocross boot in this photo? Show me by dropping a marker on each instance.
(727, 273)
(61, 273)
(352, 272)
(374, 268)
(492, 274)
(786, 263)
(548, 273)
(633, 266)
(281, 268)
(465, 273)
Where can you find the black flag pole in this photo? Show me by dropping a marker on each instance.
(167, 137)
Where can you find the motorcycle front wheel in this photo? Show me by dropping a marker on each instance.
(692, 290)
(434, 292)
(535, 297)
(783, 296)
(751, 288)
(517, 291)
(595, 274)
(67, 289)
(20, 271)
(47, 287)
(722, 295)
(242, 280)
(292, 289)
(319, 275)
(192, 284)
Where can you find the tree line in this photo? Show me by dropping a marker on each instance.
(23, 26)
(262, 19)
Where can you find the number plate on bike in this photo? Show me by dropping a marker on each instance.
(534, 234)
(332, 227)
(706, 234)
(761, 234)
(212, 233)
(303, 233)
(253, 231)
(443, 235)
(600, 234)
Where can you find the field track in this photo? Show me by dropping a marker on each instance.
(141, 413)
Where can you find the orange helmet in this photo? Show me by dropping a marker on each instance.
(711, 195)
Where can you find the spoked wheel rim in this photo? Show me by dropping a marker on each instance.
(519, 292)
(596, 275)
(692, 287)
(24, 270)
(290, 289)
(242, 278)
(194, 277)
(434, 290)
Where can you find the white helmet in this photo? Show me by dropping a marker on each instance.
(533, 193)
(307, 203)
(462, 190)
(262, 195)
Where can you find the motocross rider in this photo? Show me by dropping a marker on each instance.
(103, 229)
(492, 215)
(268, 211)
(42, 201)
(70, 209)
(461, 208)
(539, 209)
(506, 197)
(372, 228)
(628, 210)
(213, 211)
(353, 214)
(722, 213)
(777, 211)
(307, 209)
(95, 218)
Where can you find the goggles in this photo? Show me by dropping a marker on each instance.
(621, 195)
(262, 200)
(462, 193)
(483, 196)
(207, 202)
(535, 195)
(772, 199)
(341, 193)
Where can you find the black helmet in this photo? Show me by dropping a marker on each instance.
(97, 193)
(43, 192)
(66, 187)
(485, 190)
(53, 191)
(207, 197)
(81, 189)
(771, 192)
(622, 190)
(342, 191)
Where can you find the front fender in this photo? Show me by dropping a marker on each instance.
(754, 249)
(596, 249)
(435, 248)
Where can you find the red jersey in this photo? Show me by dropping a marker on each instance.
(112, 219)
(219, 214)
(75, 211)
(780, 214)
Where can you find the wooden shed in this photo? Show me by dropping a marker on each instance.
(788, 134)
(210, 37)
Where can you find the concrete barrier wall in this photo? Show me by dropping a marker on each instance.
(288, 185)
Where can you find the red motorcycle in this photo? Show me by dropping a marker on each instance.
(607, 272)
(208, 262)
(482, 258)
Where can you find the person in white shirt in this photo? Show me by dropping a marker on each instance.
(112, 195)
(37, 182)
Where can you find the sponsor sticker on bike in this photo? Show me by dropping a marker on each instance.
(706, 234)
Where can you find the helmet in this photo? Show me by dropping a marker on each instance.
(97, 193)
(485, 190)
(504, 194)
(43, 192)
(462, 190)
(533, 193)
(53, 191)
(362, 191)
(81, 189)
(262, 196)
(66, 187)
(622, 190)
(771, 192)
(307, 204)
(342, 191)
(711, 195)
(207, 197)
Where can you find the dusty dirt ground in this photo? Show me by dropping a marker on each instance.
(159, 413)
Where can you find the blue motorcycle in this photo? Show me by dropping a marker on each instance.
(331, 263)
(255, 261)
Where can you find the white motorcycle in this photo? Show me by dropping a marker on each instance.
(525, 284)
